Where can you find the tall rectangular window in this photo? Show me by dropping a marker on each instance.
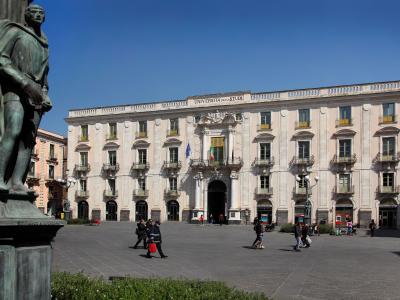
(388, 146)
(173, 154)
(51, 171)
(173, 127)
(84, 158)
(345, 148)
(112, 157)
(302, 183)
(173, 183)
(344, 115)
(265, 151)
(304, 118)
(32, 169)
(83, 185)
(84, 133)
(142, 128)
(142, 156)
(344, 183)
(388, 113)
(388, 179)
(264, 182)
(142, 184)
(111, 185)
(51, 152)
(304, 149)
(265, 120)
(112, 130)
(217, 149)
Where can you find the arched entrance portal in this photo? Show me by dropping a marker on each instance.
(387, 213)
(111, 210)
(83, 210)
(141, 210)
(173, 210)
(264, 211)
(216, 199)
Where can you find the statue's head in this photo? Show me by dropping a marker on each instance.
(34, 15)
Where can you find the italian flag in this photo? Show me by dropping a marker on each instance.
(212, 152)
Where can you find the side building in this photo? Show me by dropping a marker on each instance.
(241, 155)
(47, 170)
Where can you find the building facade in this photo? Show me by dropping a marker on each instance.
(47, 170)
(241, 155)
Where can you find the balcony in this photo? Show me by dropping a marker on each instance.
(141, 134)
(308, 161)
(83, 138)
(82, 194)
(234, 163)
(344, 122)
(264, 127)
(388, 158)
(344, 189)
(32, 179)
(301, 191)
(140, 166)
(348, 159)
(197, 164)
(140, 193)
(111, 136)
(172, 132)
(82, 168)
(303, 125)
(264, 163)
(264, 192)
(389, 119)
(52, 158)
(168, 165)
(171, 193)
(390, 189)
(111, 167)
(110, 193)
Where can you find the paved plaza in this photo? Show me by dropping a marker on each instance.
(357, 267)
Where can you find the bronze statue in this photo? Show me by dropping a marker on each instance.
(23, 86)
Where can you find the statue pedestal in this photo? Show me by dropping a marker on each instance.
(25, 249)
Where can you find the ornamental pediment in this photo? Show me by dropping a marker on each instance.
(303, 135)
(264, 137)
(389, 130)
(217, 118)
(110, 145)
(172, 141)
(344, 132)
(140, 143)
(82, 147)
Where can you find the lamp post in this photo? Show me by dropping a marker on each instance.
(307, 204)
(66, 184)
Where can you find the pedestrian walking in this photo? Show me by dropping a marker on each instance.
(258, 228)
(211, 220)
(305, 239)
(372, 227)
(297, 236)
(154, 235)
(141, 234)
(201, 219)
(349, 225)
(221, 219)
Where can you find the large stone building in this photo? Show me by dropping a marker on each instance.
(241, 154)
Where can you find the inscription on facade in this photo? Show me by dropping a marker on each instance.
(218, 99)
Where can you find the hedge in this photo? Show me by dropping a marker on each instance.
(78, 221)
(66, 286)
(288, 227)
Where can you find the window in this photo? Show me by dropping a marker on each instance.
(197, 119)
(304, 118)
(173, 155)
(304, 149)
(388, 146)
(265, 151)
(217, 149)
(265, 120)
(51, 172)
(344, 115)
(112, 131)
(388, 113)
(173, 127)
(83, 185)
(173, 184)
(238, 117)
(112, 158)
(264, 182)
(111, 186)
(142, 156)
(142, 129)
(345, 148)
(84, 158)
(51, 192)
(51, 152)
(32, 169)
(84, 133)
(302, 183)
(344, 183)
(388, 179)
(142, 184)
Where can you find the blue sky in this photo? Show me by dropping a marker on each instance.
(126, 51)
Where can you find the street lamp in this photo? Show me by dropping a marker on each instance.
(66, 184)
(307, 204)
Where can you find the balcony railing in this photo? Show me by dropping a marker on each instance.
(384, 157)
(82, 194)
(83, 138)
(140, 166)
(303, 160)
(303, 124)
(52, 157)
(235, 163)
(344, 189)
(141, 134)
(348, 159)
(172, 165)
(171, 193)
(268, 162)
(232, 163)
(197, 163)
(110, 193)
(301, 191)
(111, 136)
(140, 193)
(264, 127)
(388, 119)
(172, 132)
(391, 189)
(111, 167)
(264, 191)
(344, 122)
(82, 168)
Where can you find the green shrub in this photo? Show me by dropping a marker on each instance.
(325, 228)
(78, 221)
(66, 286)
(288, 227)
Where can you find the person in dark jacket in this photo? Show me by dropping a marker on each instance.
(372, 227)
(154, 235)
(297, 236)
(141, 234)
(304, 235)
(259, 232)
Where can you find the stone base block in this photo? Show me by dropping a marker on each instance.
(364, 217)
(281, 217)
(186, 215)
(156, 214)
(322, 215)
(234, 217)
(124, 215)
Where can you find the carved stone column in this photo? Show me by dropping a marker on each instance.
(204, 145)
(197, 211)
(234, 210)
(231, 143)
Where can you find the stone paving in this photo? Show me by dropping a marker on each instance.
(357, 267)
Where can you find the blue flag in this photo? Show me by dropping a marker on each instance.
(188, 151)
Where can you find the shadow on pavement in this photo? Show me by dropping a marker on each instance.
(287, 250)
(386, 233)
(396, 252)
(248, 247)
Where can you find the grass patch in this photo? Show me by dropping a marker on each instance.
(66, 286)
